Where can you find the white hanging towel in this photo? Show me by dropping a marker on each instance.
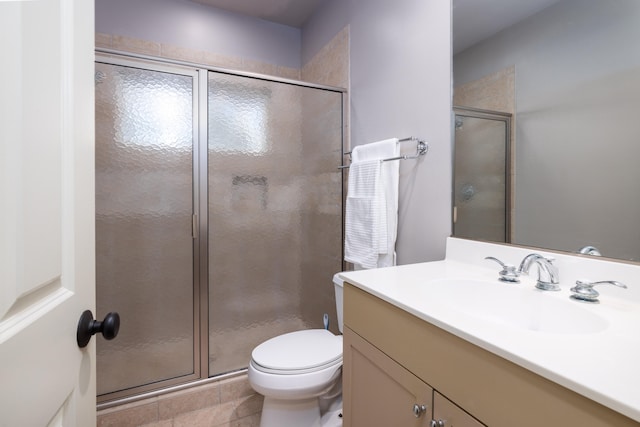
(365, 216)
(371, 217)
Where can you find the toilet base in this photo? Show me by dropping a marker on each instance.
(332, 419)
(279, 413)
(307, 413)
(332, 416)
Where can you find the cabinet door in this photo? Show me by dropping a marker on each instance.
(447, 414)
(378, 391)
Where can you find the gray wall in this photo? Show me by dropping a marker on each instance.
(188, 24)
(400, 59)
(577, 97)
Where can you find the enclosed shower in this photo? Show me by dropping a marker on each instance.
(482, 175)
(218, 217)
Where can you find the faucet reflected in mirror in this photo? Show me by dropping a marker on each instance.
(590, 250)
(574, 135)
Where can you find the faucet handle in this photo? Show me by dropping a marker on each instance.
(583, 290)
(509, 273)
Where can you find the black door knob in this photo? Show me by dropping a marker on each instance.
(87, 327)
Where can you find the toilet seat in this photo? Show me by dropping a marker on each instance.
(298, 352)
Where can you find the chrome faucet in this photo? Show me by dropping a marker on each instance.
(548, 275)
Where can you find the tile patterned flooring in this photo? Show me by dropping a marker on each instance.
(226, 403)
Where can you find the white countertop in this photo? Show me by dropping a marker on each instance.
(603, 365)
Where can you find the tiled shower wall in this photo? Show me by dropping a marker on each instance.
(232, 402)
(328, 67)
(164, 50)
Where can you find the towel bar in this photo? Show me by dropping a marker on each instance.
(421, 149)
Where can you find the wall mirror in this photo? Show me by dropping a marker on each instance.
(568, 73)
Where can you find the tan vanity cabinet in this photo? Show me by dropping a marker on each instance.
(394, 360)
(381, 392)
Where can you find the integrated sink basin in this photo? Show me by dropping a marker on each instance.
(590, 349)
(514, 306)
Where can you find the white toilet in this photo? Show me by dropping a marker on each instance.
(299, 374)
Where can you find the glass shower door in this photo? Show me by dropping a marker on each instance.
(144, 243)
(251, 215)
(274, 209)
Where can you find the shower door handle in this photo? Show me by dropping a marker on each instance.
(87, 327)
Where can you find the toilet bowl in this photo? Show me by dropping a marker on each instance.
(299, 374)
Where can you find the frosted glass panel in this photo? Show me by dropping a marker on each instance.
(144, 247)
(275, 212)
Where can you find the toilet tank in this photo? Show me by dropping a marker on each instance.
(338, 285)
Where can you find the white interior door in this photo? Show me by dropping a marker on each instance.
(46, 212)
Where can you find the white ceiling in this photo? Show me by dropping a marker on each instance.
(294, 13)
(473, 20)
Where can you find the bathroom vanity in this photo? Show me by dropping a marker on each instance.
(423, 348)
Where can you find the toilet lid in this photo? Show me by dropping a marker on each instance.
(301, 350)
